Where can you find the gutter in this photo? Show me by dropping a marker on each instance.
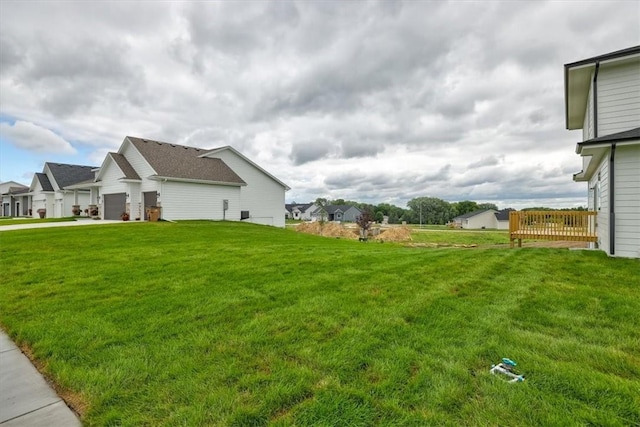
(612, 211)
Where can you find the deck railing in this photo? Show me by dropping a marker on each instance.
(552, 225)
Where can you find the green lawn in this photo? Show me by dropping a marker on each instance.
(16, 221)
(461, 237)
(209, 323)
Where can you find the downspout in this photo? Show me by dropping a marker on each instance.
(595, 100)
(161, 193)
(612, 211)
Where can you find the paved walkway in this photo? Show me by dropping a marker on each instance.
(26, 399)
(83, 221)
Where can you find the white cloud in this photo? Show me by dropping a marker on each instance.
(31, 137)
(373, 101)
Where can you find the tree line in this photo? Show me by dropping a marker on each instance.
(420, 210)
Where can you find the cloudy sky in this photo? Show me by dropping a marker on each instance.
(379, 101)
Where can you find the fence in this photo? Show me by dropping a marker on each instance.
(552, 225)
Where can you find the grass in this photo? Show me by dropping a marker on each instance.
(462, 237)
(17, 221)
(201, 323)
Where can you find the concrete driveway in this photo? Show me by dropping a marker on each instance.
(79, 222)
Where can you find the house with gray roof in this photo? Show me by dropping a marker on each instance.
(483, 218)
(341, 213)
(300, 211)
(15, 201)
(185, 183)
(54, 190)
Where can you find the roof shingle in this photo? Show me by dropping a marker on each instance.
(179, 161)
(124, 165)
(44, 181)
(66, 175)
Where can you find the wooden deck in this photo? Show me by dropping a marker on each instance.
(577, 226)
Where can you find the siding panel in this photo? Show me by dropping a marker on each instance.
(263, 197)
(618, 94)
(602, 219)
(199, 201)
(627, 201)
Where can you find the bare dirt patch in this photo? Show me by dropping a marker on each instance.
(554, 244)
(545, 244)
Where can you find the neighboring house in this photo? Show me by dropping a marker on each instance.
(484, 218)
(299, 211)
(186, 183)
(343, 213)
(55, 191)
(602, 97)
(502, 219)
(15, 199)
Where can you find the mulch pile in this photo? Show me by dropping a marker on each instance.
(331, 229)
(328, 229)
(395, 234)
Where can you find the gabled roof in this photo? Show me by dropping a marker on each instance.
(13, 187)
(503, 215)
(593, 149)
(184, 163)
(610, 139)
(245, 158)
(471, 214)
(606, 57)
(43, 179)
(577, 81)
(124, 165)
(301, 207)
(66, 175)
(331, 209)
(17, 190)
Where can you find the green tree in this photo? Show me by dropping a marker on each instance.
(322, 212)
(379, 216)
(465, 206)
(431, 210)
(488, 206)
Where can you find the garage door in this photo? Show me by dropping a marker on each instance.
(114, 205)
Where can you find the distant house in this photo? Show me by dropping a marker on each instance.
(185, 183)
(502, 219)
(299, 211)
(484, 218)
(602, 97)
(15, 199)
(53, 190)
(343, 213)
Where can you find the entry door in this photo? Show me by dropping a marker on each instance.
(150, 199)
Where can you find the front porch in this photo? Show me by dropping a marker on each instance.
(577, 226)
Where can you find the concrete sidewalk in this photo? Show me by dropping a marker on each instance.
(25, 397)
